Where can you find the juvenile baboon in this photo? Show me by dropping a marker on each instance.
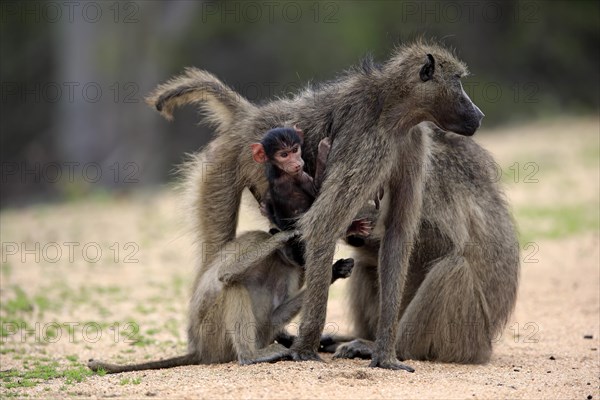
(238, 306)
(443, 281)
(291, 190)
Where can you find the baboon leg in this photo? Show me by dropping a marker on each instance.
(358, 348)
(401, 221)
(363, 295)
(325, 222)
(286, 311)
(447, 319)
(235, 268)
(240, 323)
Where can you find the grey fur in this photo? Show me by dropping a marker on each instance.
(452, 297)
(249, 292)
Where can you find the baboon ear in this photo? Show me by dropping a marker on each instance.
(299, 132)
(428, 69)
(258, 153)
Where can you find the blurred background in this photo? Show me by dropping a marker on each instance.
(74, 74)
(89, 230)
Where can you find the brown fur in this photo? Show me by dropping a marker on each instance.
(439, 198)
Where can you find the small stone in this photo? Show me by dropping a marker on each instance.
(589, 397)
(150, 394)
(552, 358)
(588, 336)
(516, 370)
(548, 372)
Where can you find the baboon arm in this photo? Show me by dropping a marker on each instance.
(341, 197)
(322, 154)
(406, 188)
(236, 267)
(287, 310)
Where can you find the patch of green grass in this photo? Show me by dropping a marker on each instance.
(173, 327)
(20, 303)
(77, 374)
(6, 270)
(178, 282)
(152, 331)
(556, 222)
(11, 325)
(142, 341)
(43, 371)
(72, 358)
(43, 303)
(132, 381)
(145, 310)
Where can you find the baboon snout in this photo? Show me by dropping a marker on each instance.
(479, 114)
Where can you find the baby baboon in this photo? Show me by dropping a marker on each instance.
(238, 306)
(291, 190)
(444, 278)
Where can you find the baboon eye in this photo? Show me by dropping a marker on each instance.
(295, 149)
(284, 154)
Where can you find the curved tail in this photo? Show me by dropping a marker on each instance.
(220, 103)
(188, 359)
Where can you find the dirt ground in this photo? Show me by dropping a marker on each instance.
(108, 277)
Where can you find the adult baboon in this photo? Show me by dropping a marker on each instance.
(250, 291)
(446, 234)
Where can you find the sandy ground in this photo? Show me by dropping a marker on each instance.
(110, 267)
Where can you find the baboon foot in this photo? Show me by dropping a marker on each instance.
(305, 355)
(285, 339)
(330, 343)
(358, 348)
(392, 364)
(270, 354)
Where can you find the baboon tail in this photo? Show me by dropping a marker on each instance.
(188, 359)
(217, 101)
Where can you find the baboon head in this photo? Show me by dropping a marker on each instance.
(425, 86)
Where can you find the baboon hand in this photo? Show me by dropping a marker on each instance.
(342, 268)
(391, 363)
(285, 236)
(324, 148)
(378, 197)
(360, 227)
(263, 209)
